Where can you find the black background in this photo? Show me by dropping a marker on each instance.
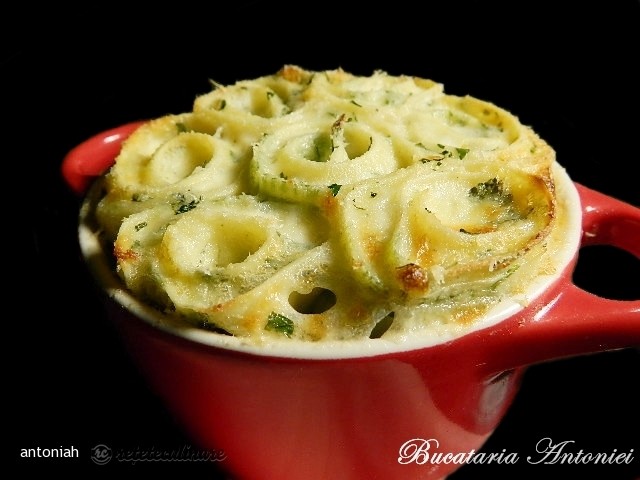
(69, 73)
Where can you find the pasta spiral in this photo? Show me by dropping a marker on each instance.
(329, 206)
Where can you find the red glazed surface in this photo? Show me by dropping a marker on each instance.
(371, 417)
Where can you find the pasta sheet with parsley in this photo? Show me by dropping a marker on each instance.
(329, 206)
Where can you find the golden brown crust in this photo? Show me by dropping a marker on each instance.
(398, 199)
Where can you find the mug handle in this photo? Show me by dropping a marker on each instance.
(573, 321)
(94, 156)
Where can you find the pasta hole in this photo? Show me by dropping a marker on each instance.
(357, 142)
(237, 241)
(265, 103)
(192, 244)
(319, 300)
(178, 158)
(382, 326)
(320, 148)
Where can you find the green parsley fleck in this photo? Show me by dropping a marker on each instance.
(462, 152)
(140, 226)
(492, 189)
(181, 205)
(335, 188)
(280, 324)
(185, 207)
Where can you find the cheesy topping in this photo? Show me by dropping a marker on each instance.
(329, 206)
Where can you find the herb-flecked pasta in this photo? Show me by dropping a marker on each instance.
(322, 205)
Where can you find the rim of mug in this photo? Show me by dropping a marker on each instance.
(568, 240)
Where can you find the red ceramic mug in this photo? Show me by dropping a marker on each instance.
(371, 410)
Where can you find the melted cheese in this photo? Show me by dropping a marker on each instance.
(318, 205)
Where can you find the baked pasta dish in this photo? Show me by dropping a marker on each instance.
(322, 205)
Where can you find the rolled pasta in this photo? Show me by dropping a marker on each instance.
(319, 206)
